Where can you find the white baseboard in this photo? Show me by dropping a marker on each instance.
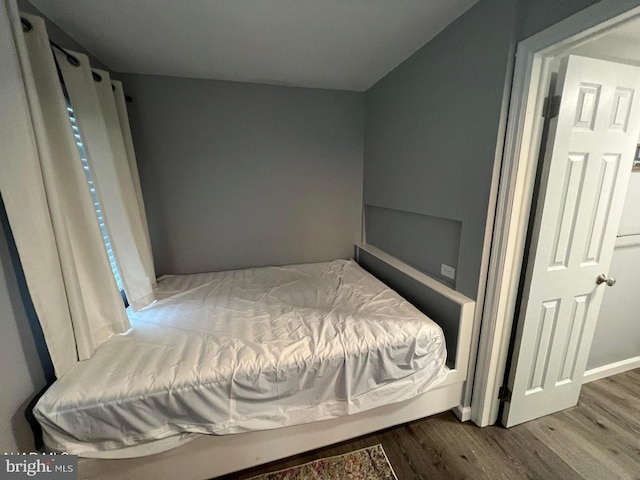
(463, 413)
(611, 369)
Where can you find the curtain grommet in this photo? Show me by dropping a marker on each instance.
(27, 26)
(73, 60)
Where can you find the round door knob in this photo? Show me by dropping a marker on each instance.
(602, 278)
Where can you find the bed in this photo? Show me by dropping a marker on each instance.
(265, 363)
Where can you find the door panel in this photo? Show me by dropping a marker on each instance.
(584, 178)
(602, 208)
(574, 338)
(565, 226)
(544, 334)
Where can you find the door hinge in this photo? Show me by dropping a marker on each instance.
(504, 394)
(551, 106)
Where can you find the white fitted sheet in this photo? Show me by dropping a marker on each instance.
(229, 352)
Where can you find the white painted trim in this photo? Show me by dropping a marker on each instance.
(432, 283)
(611, 369)
(524, 127)
(463, 413)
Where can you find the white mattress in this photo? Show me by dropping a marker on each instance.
(229, 352)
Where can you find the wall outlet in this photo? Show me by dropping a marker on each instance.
(448, 271)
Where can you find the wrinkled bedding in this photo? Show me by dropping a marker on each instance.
(230, 352)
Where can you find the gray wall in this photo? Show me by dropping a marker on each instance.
(22, 351)
(536, 15)
(237, 175)
(433, 125)
(395, 230)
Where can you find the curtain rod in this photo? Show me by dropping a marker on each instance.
(27, 27)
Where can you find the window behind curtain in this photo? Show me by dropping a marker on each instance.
(94, 196)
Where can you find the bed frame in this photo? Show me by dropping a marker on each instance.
(209, 456)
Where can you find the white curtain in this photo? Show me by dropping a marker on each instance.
(118, 93)
(47, 199)
(138, 274)
(97, 117)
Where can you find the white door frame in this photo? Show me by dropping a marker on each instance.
(531, 79)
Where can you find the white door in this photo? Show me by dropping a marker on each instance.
(586, 170)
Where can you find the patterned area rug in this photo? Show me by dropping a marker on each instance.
(367, 464)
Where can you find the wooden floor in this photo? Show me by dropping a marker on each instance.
(598, 439)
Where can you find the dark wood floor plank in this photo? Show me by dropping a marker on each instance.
(628, 381)
(405, 454)
(612, 401)
(584, 453)
(537, 460)
(612, 393)
(611, 434)
(598, 439)
(466, 451)
(616, 413)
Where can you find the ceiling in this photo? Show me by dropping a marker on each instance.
(621, 44)
(334, 44)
